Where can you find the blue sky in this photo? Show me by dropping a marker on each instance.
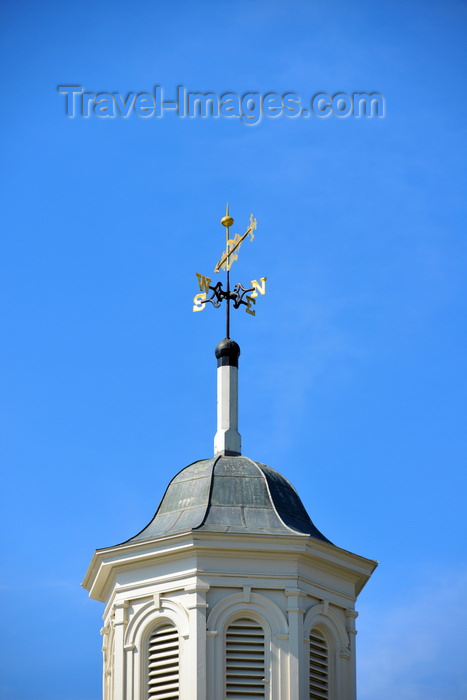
(352, 373)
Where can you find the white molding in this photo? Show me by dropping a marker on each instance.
(272, 620)
(148, 616)
(100, 577)
(233, 604)
(341, 661)
(317, 617)
(138, 632)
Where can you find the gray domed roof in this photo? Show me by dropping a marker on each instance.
(230, 494)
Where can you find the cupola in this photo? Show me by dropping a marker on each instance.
(230, 592)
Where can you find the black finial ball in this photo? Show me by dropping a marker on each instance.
(227, 353)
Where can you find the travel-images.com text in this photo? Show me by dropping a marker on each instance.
(249, 107)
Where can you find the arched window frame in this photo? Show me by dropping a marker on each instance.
(138, 632)
(322, 618)
(274, 623)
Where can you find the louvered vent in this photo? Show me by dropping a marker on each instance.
(319, 667)
(245, 660)
(163, 680)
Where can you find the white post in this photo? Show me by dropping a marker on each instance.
(120, 623)
(227, 439)
(295, 612)
(351, 691)
(196, 687)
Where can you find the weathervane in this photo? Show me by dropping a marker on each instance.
(240, 295)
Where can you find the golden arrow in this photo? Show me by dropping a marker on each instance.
(229, 255)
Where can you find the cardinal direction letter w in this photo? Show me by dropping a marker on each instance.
(203, 282)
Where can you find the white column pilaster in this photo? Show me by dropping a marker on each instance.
(295, 613)
(350, 617)
(107, 663)
(196, 657)
(120, 623)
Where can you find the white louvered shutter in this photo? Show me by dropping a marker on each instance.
(244, 653)
(319, 667)
(163, 654)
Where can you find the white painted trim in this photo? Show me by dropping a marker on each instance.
(235, 602)
(274, 623)
(141, 626)
(101, 575)
(323, 618)
(149, 614)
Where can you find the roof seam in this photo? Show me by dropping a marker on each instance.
(216, 459)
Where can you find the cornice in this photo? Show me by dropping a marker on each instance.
(306, 550)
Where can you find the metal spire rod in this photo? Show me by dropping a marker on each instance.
(227, 221)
